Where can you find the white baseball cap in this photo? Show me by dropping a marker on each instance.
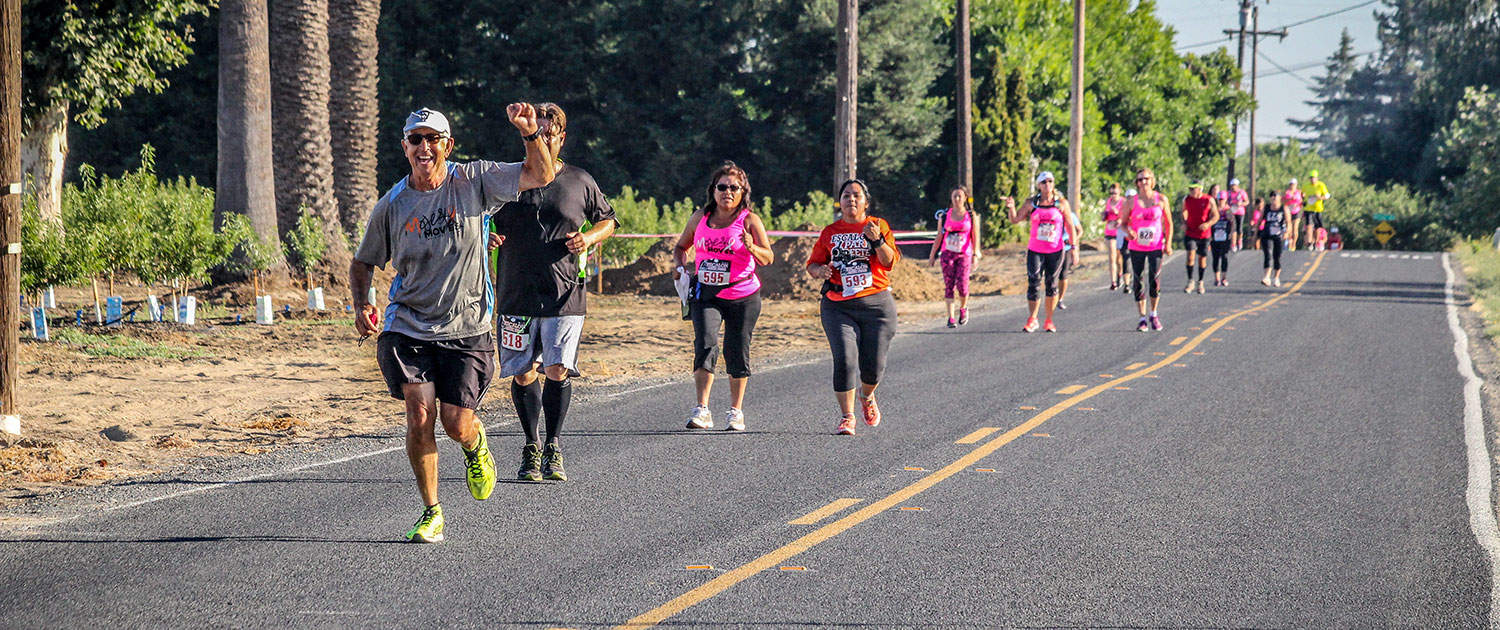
(1234, 182)
(429, 118)
(1045, 176)
(1292, 181)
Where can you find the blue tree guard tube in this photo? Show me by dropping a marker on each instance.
(79, 314)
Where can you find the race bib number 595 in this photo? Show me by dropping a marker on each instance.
(713, 272)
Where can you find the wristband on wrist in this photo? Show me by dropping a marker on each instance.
(534, 135)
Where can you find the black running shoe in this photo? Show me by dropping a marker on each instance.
(552, 464)
(531, 464)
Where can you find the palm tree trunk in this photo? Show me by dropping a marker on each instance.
(244, 184)
(353, 110)
(299, 110)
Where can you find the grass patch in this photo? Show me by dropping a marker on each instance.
(121, 346)
(1482, 267)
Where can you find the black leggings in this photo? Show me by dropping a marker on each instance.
(1239, 224)
(1220, 250)
(1142, 263)
(1039, 265)
(859, 333)
(1270, 248)
(738, 317)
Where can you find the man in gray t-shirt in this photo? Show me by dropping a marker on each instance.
(436, 344)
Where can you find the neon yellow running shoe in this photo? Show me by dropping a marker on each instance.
(481, 467)
(429, 528)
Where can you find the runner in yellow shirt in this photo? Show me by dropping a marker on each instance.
(1317, 191)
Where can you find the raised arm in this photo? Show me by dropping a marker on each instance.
(540, 168)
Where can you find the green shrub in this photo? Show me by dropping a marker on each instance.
(305, 245)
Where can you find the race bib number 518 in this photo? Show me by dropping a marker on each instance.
(513, 332)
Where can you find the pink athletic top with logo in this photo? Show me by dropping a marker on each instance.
(1238, 199)
(958, 235)
(1292, 199)
(1112, 209)
(1046, 228)
(723, 259)
(1147, 223)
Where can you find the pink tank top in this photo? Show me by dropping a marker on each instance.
(957, 233)
(1112, 208)
(1046, 229)
(723, 260)
(1292, 199)
(1238, 200)
(1148, 226)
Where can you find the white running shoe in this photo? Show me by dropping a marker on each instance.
(1276, 282)
(700, 418)
(735, 418)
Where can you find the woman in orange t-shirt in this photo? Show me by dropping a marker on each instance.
(853, 257)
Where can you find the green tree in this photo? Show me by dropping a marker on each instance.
(81, 58)
(1468, 144)
(1002, 149)
(1330, 129)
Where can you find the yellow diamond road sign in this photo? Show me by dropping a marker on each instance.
(1384, 232)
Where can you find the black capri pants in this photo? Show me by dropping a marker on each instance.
(1038, 266)
(738, 317)
(1267, 245)
(859, 333)
(1220, 251)
(1142, 264)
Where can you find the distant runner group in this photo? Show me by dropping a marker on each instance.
(446, 227)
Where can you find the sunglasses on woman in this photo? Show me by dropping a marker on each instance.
(728, 187)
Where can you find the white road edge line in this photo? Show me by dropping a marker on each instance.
(1478, 493)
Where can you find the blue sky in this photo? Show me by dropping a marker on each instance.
(1305, 49)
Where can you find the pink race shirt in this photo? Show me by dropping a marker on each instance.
(1148, 225)
(1292, 199)
(722, 258)
(958, 234)
(1112, 209)
(1238, 199)
(1046, 229)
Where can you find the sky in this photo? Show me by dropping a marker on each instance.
(1305, 49)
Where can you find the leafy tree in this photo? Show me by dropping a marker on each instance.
(1330, 130)
(1468, 144)
(81, 58)
(306, 245)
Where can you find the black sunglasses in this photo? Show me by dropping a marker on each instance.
(728, 187)
(416, 139)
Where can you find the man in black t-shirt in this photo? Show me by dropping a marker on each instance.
(541, 294)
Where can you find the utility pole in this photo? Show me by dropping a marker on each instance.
(1239, 63)
(845, 146)
(1256, 34)
(965, 102)
(1075, 137)
(10, 209)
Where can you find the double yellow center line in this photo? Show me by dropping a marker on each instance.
(812, 539)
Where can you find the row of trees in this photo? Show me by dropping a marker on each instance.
(1422, 111)
(658, 92)
(304, 70)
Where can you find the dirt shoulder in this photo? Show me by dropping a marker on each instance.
(102, 404)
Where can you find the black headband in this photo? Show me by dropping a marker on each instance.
(856, 180)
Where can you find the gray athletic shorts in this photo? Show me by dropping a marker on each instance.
(526, 342)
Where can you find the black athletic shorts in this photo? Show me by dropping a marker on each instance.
(459, 369)
(1198, 246)
(1314, 219)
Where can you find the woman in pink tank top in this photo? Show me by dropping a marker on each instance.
(958, 240)
(1047, 213)
(1114, 206)
(1148, 226)
(1291, 199)
(728, 242)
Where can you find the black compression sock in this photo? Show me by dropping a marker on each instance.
(556, 396)
(528, 401)
(1200, 272)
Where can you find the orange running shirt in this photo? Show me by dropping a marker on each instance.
(843, 247)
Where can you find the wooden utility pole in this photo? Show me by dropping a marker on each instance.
(1239, 63)
(965, 101)
(845, 145)
(10, 208)
(1075, 137)
(1255, 34)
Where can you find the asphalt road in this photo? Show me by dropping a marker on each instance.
(1286, 458)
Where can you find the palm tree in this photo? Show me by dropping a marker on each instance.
(353, 112)
(299, 115)
(244, 184)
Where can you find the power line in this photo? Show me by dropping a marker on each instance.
(1329, 14)
(1221, 40)
(1284, 70)
(1311, 64)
